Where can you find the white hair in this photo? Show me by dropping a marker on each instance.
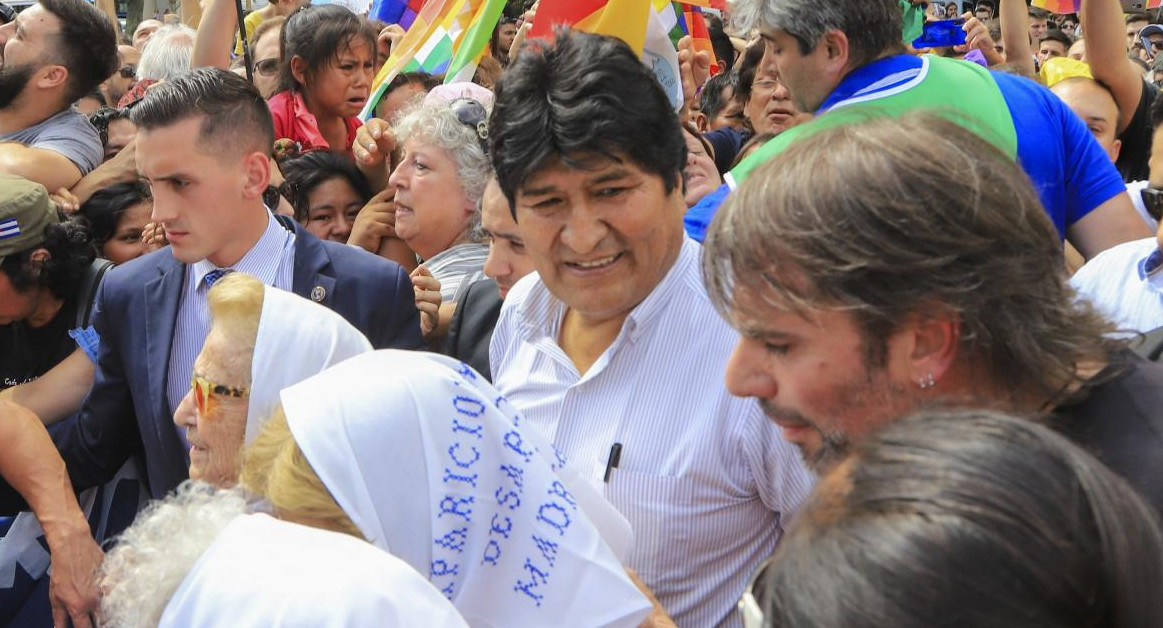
(153, 556)
(167, 53)
(434, 123)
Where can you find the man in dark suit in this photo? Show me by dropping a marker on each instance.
(203, 143)
(476, 315)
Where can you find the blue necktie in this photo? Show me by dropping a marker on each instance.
(213, 276)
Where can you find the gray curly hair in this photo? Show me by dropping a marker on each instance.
(436, 124)
(153, 556)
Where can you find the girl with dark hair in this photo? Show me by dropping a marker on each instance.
(327, 192)
(328, 61)
(116, 216)
(967, 519)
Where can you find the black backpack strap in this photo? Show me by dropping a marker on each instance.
(88, 291)
(1150, 345)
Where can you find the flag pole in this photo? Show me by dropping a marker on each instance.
(245, 46)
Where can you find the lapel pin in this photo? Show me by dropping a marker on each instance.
(318, 294)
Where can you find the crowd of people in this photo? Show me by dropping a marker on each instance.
(858, 334)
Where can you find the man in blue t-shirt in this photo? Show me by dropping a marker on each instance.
(832, 55)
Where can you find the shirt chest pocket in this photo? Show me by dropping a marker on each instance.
(658, 508)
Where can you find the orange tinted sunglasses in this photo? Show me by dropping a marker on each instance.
(204, 391)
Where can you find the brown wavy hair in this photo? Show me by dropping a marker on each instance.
(885, 218)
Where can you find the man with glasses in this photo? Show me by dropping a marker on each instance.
(123, 80)
(53, 53)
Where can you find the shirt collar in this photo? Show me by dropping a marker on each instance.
(256, 262)
(868, 75)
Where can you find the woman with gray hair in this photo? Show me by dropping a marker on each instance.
(439, 183)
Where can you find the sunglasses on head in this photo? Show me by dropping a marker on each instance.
(205, 390)
(473, 115)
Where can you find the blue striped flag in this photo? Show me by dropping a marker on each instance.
(9, 229)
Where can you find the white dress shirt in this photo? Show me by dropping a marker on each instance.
(271, 260)
(1125, 282)
(706, 481)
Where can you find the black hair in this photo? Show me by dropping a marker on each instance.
(969, 519)
(318, 34)
(105, 208)
(97, 95)
(1136, 16)
(235, 116)
(585, 96)
(70, 252)
(711, 100)
(303, 174)
(86, 43)
(748, 66)
(720, 42)
(103, 117)
(424, 79)
(1058, 36)
(984, 3)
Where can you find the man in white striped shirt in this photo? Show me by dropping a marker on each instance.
(613, 348)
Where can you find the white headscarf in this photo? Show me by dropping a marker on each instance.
(431, 464)
(263, 572)
(296, 339)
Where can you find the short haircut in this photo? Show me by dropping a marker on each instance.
(105, 208)
(86, 45)
(234, 115)
(167, 53)
(1056, 35)
(318, 34)
(872, 26)
(721, 42)
(915, 239)
(423, 79)
(267, 25)
(984, 4)
(70, 252)
(303, 174)
(748, 66)
(1136, 16)
(435, 123)
(711, 98)
(583, 97)
(1035, 13)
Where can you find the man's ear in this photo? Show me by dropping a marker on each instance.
(701, 121)
(935, 340)
(40, 256)
(256, 173)
(51, 76)
(834, 43)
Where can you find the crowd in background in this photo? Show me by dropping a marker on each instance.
(846, 329)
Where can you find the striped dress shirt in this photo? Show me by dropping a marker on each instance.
(271, 260)
(706, 481)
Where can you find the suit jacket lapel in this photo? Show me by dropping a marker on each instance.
(310, 279)
(163, 295)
